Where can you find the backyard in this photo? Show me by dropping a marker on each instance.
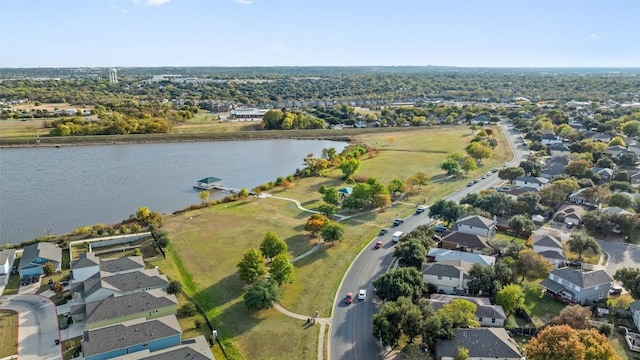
(9, 331)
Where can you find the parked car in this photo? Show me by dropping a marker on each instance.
(26, 280)
(615, 290)
(50, 284)
(65, 282)
(383, 231)
(574, 263)
(569, 225)
(440, 228)
(362, 294)
(420, 210)
(398, 222)
(470, 183)
(378, 245)
(348, 299)
(495, 170)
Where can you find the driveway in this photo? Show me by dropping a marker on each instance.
(620, 255)
(37, 326)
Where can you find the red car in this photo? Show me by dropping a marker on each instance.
(349, 299)
(378, 245)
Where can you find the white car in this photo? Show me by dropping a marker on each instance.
(362, 294)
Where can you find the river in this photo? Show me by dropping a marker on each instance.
(57, 190)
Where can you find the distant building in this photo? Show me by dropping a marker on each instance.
(248, 113)
(6, 264)
(113, 76)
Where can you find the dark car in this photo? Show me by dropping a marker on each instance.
(440, 228)
(398, 222)
(420, 210)
(65, 282)
(51, 284)
(383, 231)
(25, 281)
(378, 245)
(615, 291)
(348, 299)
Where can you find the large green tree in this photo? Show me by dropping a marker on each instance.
(521, 224)
(262, 295)
(580, 242)
(411, 253)
(404, 281)
(272, 246)
(332, 232)
(252, 266)
(510, 173)
(630, 279)
(510, 297)
(531, 264)
(349, 167)
(281, 269)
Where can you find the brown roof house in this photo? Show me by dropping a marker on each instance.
(455, 240)
(569, 214)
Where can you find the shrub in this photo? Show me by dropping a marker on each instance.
(605, 329)
(189, 309)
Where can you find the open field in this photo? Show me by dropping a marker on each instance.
(9, 331)
(27, 128)
(206, 244)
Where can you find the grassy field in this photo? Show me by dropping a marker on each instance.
(9, 331)
(206, 244)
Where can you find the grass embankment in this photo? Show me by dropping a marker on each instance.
(9, 331)
(206, 244)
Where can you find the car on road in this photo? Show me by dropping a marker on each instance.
(420, 210)
(383, 231)
(362, 294)
(475, 181)
(495, 170)
(378, 245)
(470, 183)
(505, 165)
(348, 299)
(398, 222)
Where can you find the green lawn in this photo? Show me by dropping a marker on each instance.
(70, 346)
(9, 331)
(206, 245)
(542, 309)
(13, 285)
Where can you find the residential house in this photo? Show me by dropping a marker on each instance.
(196, 348)
(481, 119)
(615, 151)
(559, 149)
(569, 214)
(482, 343)
(549, 137)
(601, 137)
(634, 178)
(448, 276)
(577, 286)
(88, 264)
(550, 247)
(616, 211)
(532, 182)
(112, 310)
(102, 285)
(439, 255)
(455, 240)
(579, 198)
(7, 257)
(604, 174)
(634, 309)
(554, 166)
(486, 314)
(131, 336)
(36, 256)
(476, 224)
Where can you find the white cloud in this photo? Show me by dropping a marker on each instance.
(153, 2)
(277, 47)
(244, 2)
(594, 36)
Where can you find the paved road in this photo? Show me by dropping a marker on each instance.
(620, 255)
(37, 326)
(351, 328)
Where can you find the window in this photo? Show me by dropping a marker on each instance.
(439, 277)
(480, 320)
(145, 345)
(493, 320)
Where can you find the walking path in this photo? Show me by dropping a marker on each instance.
(322, 321)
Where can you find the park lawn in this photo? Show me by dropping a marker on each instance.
(9, 331)
(28, 129)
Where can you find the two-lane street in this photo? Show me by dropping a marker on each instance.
(351, 327)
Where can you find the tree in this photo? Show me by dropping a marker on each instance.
(396, 186)
(411, 253)
(521, 224)
(462, 313)
(621, 186)
(451, 166)
(532, 264)
(620, 200)
(272, 246)
(469, 164)
(381, 201)
(404, 281)
(631, 128)
(580, 242)
(531, 200)
(449, 211)
(349, 167)
(418, 179)
(605, 162)
(243, 193)
(386, 324)
(462, 354)
(561, 342)
(49, 269)
(315, 223)
(510, 173)
(204, 195)
(479, 151)
(558, 191)
(617, 140)
(510, 297)
(281, 269)
(262, 295)
(174, 287)
(331, 196)
(575, 316)
(531, 166)
(630, 279)
(332, 232)
(327, 210)
(577, 168)
(251, 267)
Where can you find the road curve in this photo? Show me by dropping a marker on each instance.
(351, 325)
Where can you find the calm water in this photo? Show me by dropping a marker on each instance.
(61, 189)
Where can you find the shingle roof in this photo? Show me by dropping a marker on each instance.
(574, 211)
(85, 260)
(475, 221)
(584, 280)
(616, 211)
(448, 268)
(121, 264)
(444, 254)
(129, 333)
(6, 254)
(553, 254)
(546, 240)
(559, 147)
(635, 306)
(115, 307)
(481, 342)
(136, 280)
(45, 250)
(196, 348)
(467, 240)
(533, 180)
(484, 309)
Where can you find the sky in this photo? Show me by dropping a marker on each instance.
(465, 33)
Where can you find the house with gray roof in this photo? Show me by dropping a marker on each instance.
(437, 254)
(456, 240)
(634, 309)
(7, 257)
(88, 264)
(601, 137)
(550, 247)
(634, 178)
(604, 174)
(530, 181)
(486, 314)
(569, 213)
(148, 304)
(549, 137)
(450, 277)
(559, 149)
(196, 348)
(131, 336)
(476, 224)
(554, 166)
(578, 286)
(103, 284)
(36, 256)
(122, 265)
(482, 343)
(616, 211)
